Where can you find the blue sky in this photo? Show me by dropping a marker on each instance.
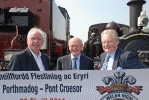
(84, 13)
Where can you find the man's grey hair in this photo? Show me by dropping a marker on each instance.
(110, 31)
(75, 37)
(36, 29)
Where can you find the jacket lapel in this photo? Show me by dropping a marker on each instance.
(46, 66)
(81, 64)
(68, 64)
(116, 59)
(31, 61)
(102, 59)
(44, 62)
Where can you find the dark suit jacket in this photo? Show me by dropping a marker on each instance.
(24, 61)
(64, 63)
(124, 59)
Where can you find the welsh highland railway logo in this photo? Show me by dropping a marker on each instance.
(119, 87)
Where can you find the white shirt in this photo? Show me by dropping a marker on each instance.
(38, 61)
(77, 61)
(111, 60)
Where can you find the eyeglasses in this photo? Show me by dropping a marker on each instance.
(74, 46)
(33, 39)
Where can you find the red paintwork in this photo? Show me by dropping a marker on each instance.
(42, 21)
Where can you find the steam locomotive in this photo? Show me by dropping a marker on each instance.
(131, 38)
(17, 17)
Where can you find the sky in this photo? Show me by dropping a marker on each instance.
(84, 13)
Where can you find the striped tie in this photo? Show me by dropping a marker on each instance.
(75, 64)
(105, 64)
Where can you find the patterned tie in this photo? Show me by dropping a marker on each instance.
(105, 64)
(75, 64)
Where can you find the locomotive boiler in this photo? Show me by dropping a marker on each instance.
(131, 38)
(17, 17)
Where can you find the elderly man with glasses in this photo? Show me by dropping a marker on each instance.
(31, 59)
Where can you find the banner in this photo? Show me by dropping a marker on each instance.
(75, 85)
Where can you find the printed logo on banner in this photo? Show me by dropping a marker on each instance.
(120, 87)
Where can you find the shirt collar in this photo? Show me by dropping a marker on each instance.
(35, 56)
(75, 57)
(112, 54)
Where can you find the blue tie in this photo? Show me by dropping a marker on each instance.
(75, 64)
(105, 64)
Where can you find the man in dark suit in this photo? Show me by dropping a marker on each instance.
(31, 59)
(114, 57)
(75, 60)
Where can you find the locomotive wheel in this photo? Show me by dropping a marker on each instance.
(143, 56)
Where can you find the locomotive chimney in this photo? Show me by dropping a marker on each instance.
(135, 10)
